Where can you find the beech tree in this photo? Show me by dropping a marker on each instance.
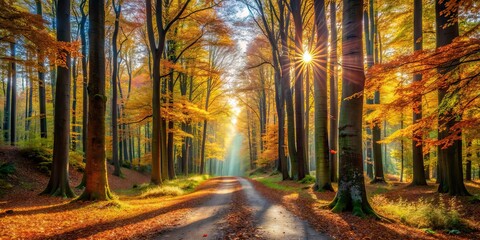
(96, 187)
(58, 184)
(351, 194)
(417, 148)
(320, 62)
(449, 157)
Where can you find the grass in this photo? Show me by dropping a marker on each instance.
(274, 182)
(176, 187)
(425, 213)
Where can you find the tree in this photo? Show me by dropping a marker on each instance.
(449, 157)
(351, 195)
(417, 148)
(13, 100)
(333, 133)
(114, 109)
(96, 169)
(320, 63)
(157, 45)
(58, 184)
(41, 84)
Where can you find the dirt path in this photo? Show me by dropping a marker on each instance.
(272, 221)
(207, 220)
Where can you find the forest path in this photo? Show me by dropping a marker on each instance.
(210, 219)
(274, 221)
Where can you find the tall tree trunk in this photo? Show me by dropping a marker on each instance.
(83, 38)
(287, 91)
(450, 158)
(73, 133)
(320, 62)
(41, 84)
(351, 195)
(369, 50)
(333, 134)
(58, 184)
(96, 169)
(116, 162)
(8, 106)
(13, 110)
(158, 151)
(376, 131)
(417, 147)
(204, 133)
(299, 106)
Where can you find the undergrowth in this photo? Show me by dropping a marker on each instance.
(43, 157)
(424, 213)
(176, 187)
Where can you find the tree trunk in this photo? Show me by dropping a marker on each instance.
(299, 106)
(287, 92)
(351, 195)
(73, 133)
(83, 38)
(369, 50)
(41, 84)
(96, 169)
(333, 140)
(320, 99)
(417, 147)
(114, 108)
(450, 158)
(8, 106)
(58, 184)
(13, 109)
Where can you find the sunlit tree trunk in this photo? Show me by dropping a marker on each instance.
(320, 88)
(299, 106)
(333, 134)
(369, 51)
(58, 184)
(351, 195)
(96, 169)
(450, 158)
(417, 148)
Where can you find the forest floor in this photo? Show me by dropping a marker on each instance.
(219, 208)
(419, 203)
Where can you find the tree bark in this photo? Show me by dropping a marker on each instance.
(116, 162)
(320, 62)
(450, 158)
(417, 147)
(333, 134)
(351, 195)
(58, 184)
(41, 84)
(299, 94)
(83, 39)
(96, 169)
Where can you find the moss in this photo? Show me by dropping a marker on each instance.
(307, 180)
